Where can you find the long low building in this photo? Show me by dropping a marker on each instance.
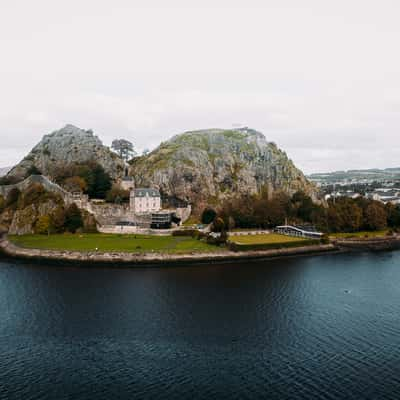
(299, 230)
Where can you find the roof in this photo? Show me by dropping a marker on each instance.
(306, 229)
(143, 192)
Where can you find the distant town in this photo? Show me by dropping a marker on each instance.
(382, 185)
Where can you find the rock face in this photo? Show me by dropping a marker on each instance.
(205, 166)
(69, 145)
(23, 221)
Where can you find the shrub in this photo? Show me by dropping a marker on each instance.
(12, 198)
(42, 225)
(9, 180)
(75, 184)
(58, 220)
(269, 246)
(2, 204)
(34, 194)
(186, 232)
(73, 218)
(208, 216)
(117, 195)
(219, 240)
(218, 225)
(325, 239)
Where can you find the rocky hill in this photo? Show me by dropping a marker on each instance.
(69, 145)
(206, 166)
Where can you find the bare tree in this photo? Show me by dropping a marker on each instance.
(124, 148)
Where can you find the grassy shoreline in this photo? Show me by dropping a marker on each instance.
(110, 242)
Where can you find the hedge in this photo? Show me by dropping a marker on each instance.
(269, 246)
(186, 232)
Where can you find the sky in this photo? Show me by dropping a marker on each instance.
(320, 78)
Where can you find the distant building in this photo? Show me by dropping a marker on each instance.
(307, 231)
(145, 200)
(127, 183)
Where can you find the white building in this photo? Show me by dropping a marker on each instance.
(145, 200)
(127, 183)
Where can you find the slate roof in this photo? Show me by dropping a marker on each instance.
(144, 192)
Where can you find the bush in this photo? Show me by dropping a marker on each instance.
(9, 180)
(325, 239)
(186, 232)
(2, 204)
(34, 194)
(218, 225)
(269, 246)
(58, 220)
(42, 225)
(12, 198)
(218, 241)
(117, 195)
(208, 216)
(73, 218)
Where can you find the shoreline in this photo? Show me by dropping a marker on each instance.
(134, 259)
(126, 259)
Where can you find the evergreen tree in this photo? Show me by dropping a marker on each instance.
(73, 218)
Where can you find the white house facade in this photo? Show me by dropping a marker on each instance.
(145, 200)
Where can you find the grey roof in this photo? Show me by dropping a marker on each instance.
(142, 192)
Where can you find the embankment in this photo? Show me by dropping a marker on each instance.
(122, 258)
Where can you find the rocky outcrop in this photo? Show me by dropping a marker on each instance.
(67, 146)
(23, 221)
(205, 166)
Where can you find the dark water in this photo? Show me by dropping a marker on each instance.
(320, 327)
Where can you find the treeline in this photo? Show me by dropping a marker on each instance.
(343, 215)
(59, 219)
(88, 178)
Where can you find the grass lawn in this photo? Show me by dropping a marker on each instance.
(359, 234)
(118, 243)
(270, 238)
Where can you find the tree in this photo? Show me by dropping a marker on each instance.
(42, 225)
(58, 220)
(2, 204)
(34, 194)
(75, 184)
(393, 215)
(145, 152)
(218, 225)
(73, 218)
(102, 183)
(208, 216)
(303, 205)
(124, 148)
(117, 195)
(375, 216)
(13, 197)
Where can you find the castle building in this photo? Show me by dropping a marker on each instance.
(145, 200)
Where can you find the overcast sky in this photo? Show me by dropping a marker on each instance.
(320, 78)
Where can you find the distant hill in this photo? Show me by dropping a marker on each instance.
(370, 175)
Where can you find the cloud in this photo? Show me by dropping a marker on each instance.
(320, 79)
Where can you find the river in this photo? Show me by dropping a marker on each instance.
(312, 327)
